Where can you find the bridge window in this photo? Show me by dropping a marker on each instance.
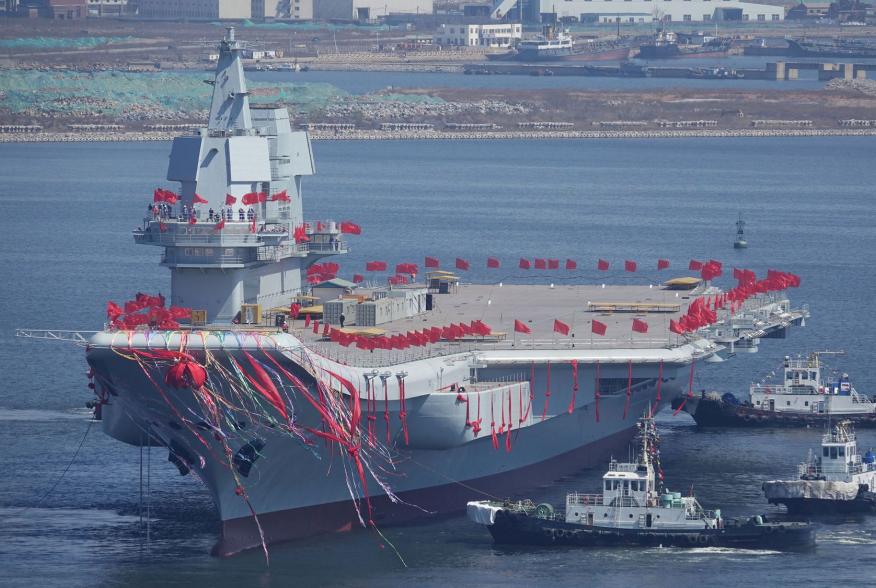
(833, 453)
(826, 452)
(608, 484)
(841, 451)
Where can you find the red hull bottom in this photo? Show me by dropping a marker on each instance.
(241, 534)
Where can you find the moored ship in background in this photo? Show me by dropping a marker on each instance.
(399, 400)
(842, 48)
(558, 45)
(806, 396)
(668, 45)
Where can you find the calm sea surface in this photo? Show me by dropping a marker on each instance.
(66, 212)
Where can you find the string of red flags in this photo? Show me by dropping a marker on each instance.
(419, 338)
(351, 228)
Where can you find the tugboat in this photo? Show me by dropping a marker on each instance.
(740, 242)
(837, 481)
(805, 398)
(633, 509)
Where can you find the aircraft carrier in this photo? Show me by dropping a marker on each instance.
(462, 392)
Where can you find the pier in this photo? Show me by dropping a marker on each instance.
(778, 70)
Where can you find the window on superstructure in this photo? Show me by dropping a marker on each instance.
(826, 452)
(833, 453)
(841, 451)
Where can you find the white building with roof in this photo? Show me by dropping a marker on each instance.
(478, 35)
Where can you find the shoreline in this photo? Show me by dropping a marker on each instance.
(367, 135)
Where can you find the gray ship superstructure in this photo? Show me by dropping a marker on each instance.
(295, 433)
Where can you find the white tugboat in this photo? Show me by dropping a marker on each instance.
(806, 396)
(837, 481)
(633, 509)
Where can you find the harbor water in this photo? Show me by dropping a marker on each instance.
(66, 212)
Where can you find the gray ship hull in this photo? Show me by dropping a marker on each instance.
(297, 489)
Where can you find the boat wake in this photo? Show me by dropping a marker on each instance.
(35, 415)
(847, 538)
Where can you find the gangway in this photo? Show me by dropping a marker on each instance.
(77, 337)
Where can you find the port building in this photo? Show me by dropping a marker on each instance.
(637, 11)
(503, 34)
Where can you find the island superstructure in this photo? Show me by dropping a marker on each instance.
(429, 394)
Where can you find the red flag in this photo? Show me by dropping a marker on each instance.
(229, 200)
(162, 227)
(219, 226)
(263, 197)
(553, 264)
(250, 198)
(306, 320)
(316, 327)
(629, 266)
(520, 327)
(602, 265)
(662, 264)
(375, 266)
(326, 329)
(695, 265)
(571, 264)
(675, 327)
(252, 226)
(193, 220)
(358, 278)
(493, 262)
(524, 263)
(351, 228)
(640, 326)
(199, 200)
(461, 264)
(407, 268)
(281, 196)
(432, 262)
(561, 327)
(597, 327)
(540, 264)
(158, 195)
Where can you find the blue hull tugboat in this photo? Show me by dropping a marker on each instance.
(634, 510)
(806, 397)
(839, 481)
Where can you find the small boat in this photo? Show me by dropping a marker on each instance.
(804, 397)
(837, 481)
(634, 509)
(740, 242)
